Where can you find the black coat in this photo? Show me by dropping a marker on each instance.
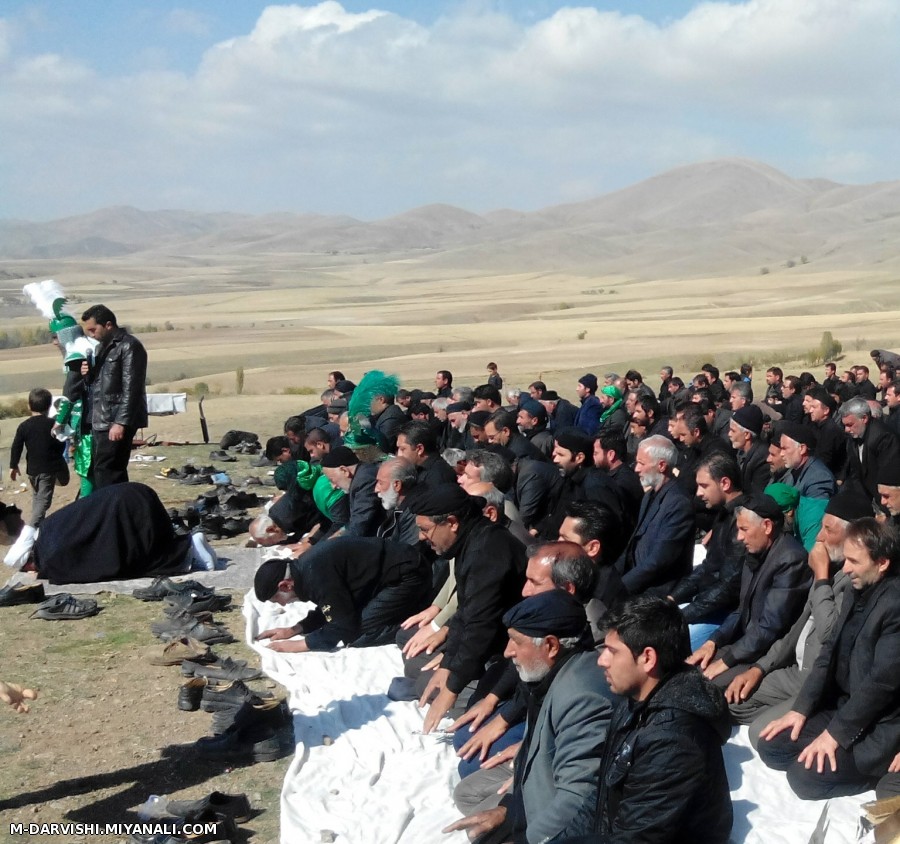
(563, 415)
(537, 490)
(879, 447)
(662, 778)
(387, 425)
(117, 382)
(522, 447)
(435, 470)
(831, 445)
(715, 585)
(867, 722)
(774, 588)
(490, 572)
(755, 473)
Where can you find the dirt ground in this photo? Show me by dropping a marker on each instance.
(106, 732)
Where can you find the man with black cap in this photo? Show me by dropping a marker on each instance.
(554, 794)
(889, 491)
(532, 422)
(843, 730)
(345, 472)
(831, 444)
(561, 412)
(588, 416)
(362, 588)
(489, 568)
(456, 431)
(573, 454)
(767, 689)
(807, 474)
(744, 434)
(774, 585)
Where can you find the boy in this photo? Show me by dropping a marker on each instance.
(45, 465)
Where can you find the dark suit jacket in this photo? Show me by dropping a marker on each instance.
(387, 425)
(868, 721)
(880, 446)
(772, 597)
(755, 475)
(661, 549)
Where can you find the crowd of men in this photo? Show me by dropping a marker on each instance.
(732, 550)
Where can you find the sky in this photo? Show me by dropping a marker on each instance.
(370, 109)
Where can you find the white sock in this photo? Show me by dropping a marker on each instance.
(204, 557)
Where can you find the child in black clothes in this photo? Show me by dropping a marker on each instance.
(45, 465)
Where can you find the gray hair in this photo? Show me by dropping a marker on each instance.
(513, 393)
(441, 403)
(658, 448)
(856, 407)
(753, 436)
(566, 643)
(493, 497)
(403, 471)
(453, 455)
(877, 412)
(744, 389)
(463, 394)
(751, 514)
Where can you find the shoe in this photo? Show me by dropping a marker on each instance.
(262, 461)
(226, 669)
(194, 603)
(210, 634)
(222, 457)
(243, 746)
(253, 481)
(238, 500)
(178, 651)
(191, 693)
(14, 594)
(223, 831)
(196, 480)
(233, 527)
(234, 806)
(228, 694)
(257, 712)
(163, 586)
(66, 607)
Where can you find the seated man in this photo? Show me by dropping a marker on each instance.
(661, 548)
(557, 765)
(346, 473)
(808, 475)
(417, 442)
(116, 533)
(362, 588)
(870, 446)
(662, 776)
(844, 728)
(767, 689)
(774, 585)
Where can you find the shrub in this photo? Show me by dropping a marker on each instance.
(239, 380)
(299, 391)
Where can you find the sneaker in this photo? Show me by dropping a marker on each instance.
(234, 806)
(191, 693)
(14, 594)
(178, 651)
(65, 607)
(226, 669)
(163, 586)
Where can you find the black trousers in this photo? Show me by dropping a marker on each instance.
(781, 754)
(109, 458)
(392, 605)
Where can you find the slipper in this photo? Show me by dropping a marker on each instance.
(65, 607)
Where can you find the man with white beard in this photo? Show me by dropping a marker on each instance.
(768, 688)
(395, 478)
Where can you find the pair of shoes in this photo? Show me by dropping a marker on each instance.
(194, 602)
(200, 627)
(220, 695)
(222, 456)
(15, 594)
(65, 607)
(221, 669)
(178, 651)
(223, 830)
(234, 806)
(245, 744)
(162, 587)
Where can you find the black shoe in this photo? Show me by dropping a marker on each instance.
(239, 500)
(262, 461)
(234, 806)
(163, 586)
(190, 694)
(224, 830)
(194, 602)
(255, 713)
(227, 694)
(226, 670)
(244, 746)
(65, 607)
(209, 634)
(222, 457)
(14, 594)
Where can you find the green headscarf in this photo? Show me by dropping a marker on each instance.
(614, 393)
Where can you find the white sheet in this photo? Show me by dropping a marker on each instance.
(377, 783)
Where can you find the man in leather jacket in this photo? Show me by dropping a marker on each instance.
(118, 394)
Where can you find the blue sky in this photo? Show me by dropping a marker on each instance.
(373, 108)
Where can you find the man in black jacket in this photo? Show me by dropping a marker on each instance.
(501, 429)
(870, 446)
(713, 588)
(662, 777)
(844, 728)
(417, 442)
(490, 570)
(744, 433)
(561, 412)
(118, 395)
(774, 585)
(831, 443)
(362, 588)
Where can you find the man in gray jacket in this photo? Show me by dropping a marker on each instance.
(766, 690)
(554, 793)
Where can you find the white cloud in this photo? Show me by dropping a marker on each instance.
(187, 22)
(318, 108)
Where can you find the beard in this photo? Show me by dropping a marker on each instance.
(533, 673)
(650, 480)
(389, 499)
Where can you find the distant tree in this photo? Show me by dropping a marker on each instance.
(829, 347)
